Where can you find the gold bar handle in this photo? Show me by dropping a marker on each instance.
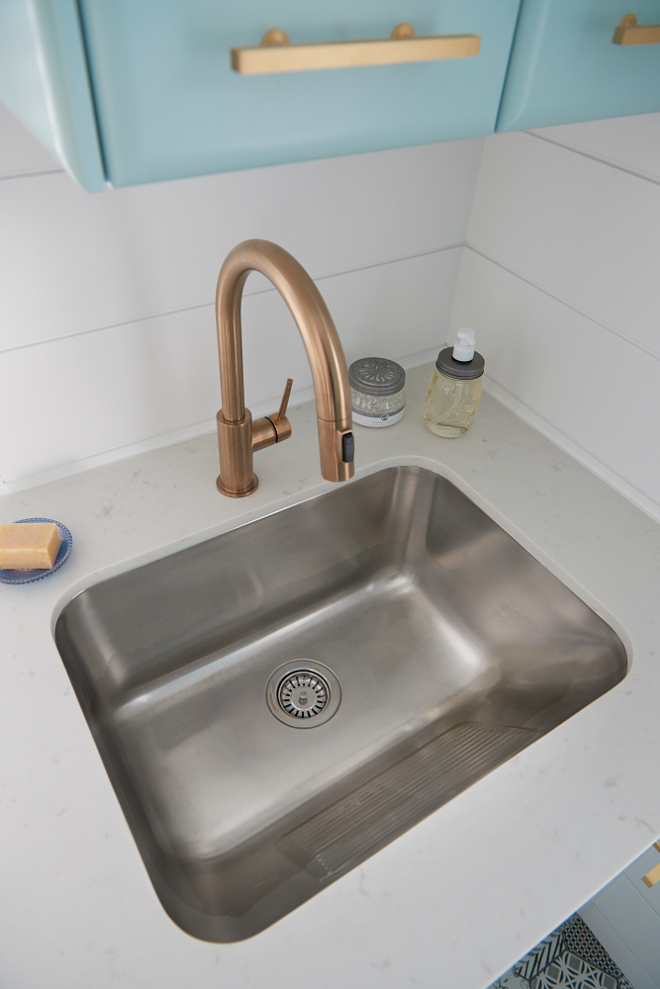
(277, 54)
(653, 877)
(629, 32)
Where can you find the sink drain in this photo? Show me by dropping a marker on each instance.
(303, 694)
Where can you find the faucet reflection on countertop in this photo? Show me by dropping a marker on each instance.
(238, 436)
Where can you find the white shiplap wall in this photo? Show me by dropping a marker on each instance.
(107, 341)
(107, 329)
(561, 280)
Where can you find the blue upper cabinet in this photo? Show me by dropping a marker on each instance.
(44, 81)
(131, 91)
(169, 103)
(565, 66)
(162, 100)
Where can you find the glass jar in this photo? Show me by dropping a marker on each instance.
(377, 391)
(453, 394)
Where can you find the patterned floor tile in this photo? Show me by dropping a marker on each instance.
(569, 958)
(572, 972)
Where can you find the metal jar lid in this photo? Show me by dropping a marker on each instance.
(460, 369)
(376, 376)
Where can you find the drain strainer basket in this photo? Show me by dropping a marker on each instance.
(303, 693)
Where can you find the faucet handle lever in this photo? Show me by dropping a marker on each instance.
(285, 400)
(277, 422)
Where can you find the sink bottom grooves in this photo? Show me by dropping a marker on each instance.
(389, 804)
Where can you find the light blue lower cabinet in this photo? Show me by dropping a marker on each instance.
(565, 67)
(612, 943)
(169, 104)
(625, 917)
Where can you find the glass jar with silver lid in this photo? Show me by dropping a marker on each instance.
(377, 391)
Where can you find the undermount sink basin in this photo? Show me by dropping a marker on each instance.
(278, 703)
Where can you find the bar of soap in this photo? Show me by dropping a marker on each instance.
(28, 545)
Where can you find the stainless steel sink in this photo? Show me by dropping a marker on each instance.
(414, 640)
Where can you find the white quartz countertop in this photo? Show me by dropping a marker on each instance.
(453, 902)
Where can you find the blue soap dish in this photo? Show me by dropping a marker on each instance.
(29, 576)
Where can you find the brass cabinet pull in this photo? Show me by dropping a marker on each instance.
(277, 54)
(653, 877)
(629, 32)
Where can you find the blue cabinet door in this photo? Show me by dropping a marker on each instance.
(44, 81)
(565, 67)
(169, 104)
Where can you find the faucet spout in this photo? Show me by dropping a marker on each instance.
(238, 436)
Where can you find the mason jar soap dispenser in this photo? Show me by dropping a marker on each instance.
(455, 387)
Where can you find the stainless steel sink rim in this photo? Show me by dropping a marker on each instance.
(290, 680)
(454, 646)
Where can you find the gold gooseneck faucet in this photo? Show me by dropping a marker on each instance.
(238, 436)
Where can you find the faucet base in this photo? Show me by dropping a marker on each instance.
(237, 478)
(237, 494)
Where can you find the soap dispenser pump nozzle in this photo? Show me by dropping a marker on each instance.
(464, 346)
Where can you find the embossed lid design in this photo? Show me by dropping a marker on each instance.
(376, 376)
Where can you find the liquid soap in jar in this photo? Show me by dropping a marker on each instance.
(455, 387)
